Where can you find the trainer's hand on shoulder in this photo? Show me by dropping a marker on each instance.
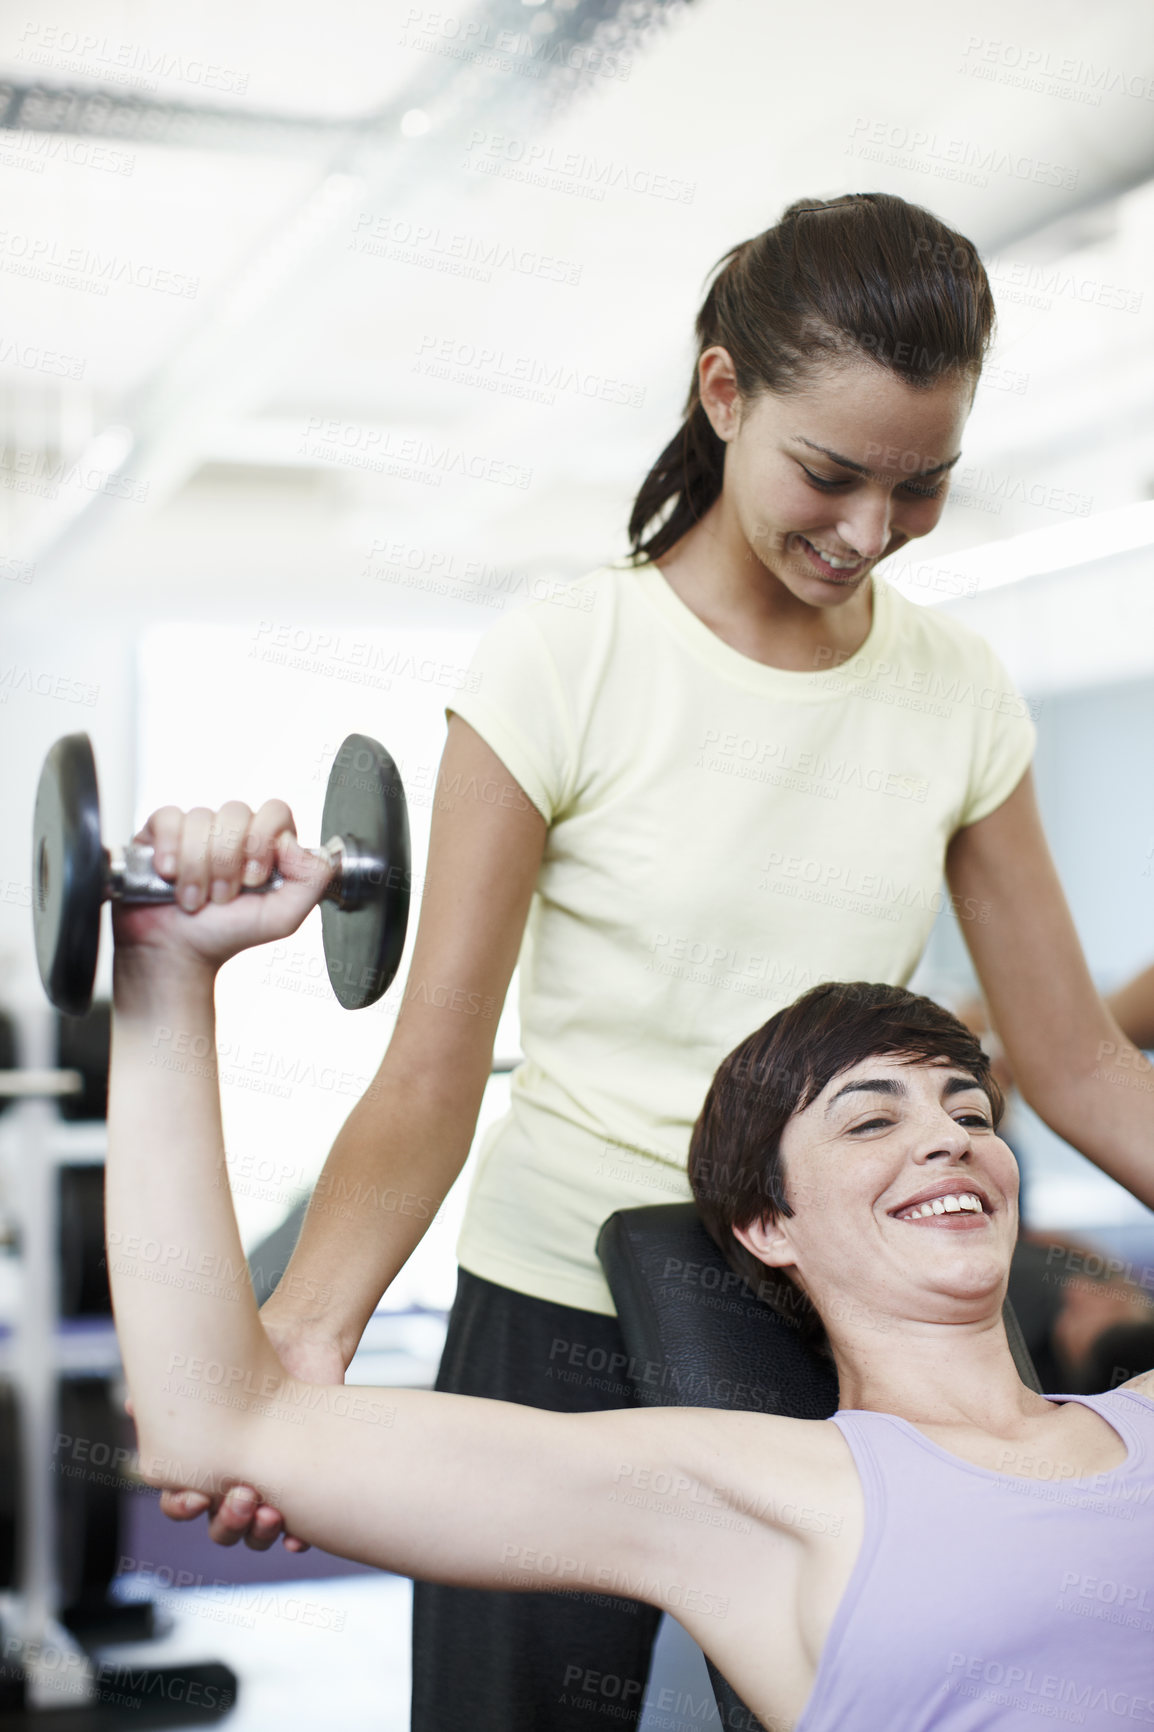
(208, 857)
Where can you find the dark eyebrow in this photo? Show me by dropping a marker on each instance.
(861, 469)
(894, 1087)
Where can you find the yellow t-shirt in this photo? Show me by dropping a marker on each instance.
(723, 835)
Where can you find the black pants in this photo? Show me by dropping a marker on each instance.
(507, 1662)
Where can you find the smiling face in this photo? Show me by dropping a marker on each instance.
(882, 1140)
(847, 470)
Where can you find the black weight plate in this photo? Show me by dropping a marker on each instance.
(365, 803)
(67, 874)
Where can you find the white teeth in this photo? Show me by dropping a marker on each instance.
(961, 1202)
(837, 564)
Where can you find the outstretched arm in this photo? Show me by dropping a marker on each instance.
(1070, 1059)
(473, 1492)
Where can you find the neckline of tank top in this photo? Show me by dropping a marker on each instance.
(1121, 1429)
(822, 684)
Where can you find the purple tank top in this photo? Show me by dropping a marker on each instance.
(981, 1601)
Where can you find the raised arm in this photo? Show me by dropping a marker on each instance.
(1070, 1059)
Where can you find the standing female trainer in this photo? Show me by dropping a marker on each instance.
(732, 768)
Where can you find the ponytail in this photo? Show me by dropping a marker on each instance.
(688, 472)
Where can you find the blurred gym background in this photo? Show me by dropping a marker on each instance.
(325, 339)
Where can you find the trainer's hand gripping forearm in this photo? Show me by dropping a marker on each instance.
(240, 1513)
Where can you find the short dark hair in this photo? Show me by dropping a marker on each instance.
(735, 1164)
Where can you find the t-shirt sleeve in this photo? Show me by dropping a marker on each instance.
(1004, 745)
(514, 698)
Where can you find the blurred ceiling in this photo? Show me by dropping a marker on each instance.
(342, 310)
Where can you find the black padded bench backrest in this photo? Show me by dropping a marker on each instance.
(697, 1337)
(695, 1334)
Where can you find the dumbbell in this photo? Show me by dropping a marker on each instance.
(364, 912)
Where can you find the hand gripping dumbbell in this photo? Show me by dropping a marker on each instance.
(364, 911)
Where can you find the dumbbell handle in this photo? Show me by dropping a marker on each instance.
(130, 875)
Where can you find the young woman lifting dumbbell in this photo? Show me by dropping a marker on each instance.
(736, 767)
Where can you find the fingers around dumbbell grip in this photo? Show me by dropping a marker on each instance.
(203, 854)
(163, 830)
(260, 844)
(211, 857)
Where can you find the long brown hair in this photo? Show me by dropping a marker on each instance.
(735, 1165)
(866, 275)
